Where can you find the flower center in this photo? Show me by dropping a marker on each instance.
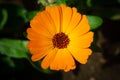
(60, 40)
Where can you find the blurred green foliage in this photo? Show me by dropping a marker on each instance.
(94, 21)
(3, 18)
(13, 48)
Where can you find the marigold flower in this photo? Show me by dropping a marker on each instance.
(58, 35)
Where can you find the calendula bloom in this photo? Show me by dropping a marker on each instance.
(59, 35)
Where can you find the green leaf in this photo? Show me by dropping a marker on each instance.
(13, 48)
(94, 21)
(31, 14)
(51, 2)
(60, 1)
(3, 17)
(43, 2)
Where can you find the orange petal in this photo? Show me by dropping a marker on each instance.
(37, 27)
(83, 41)
(39, 43)
(43, 23)
(39, 53)
(81, 55)
(37, 40)
(55, 14)
(32, 45)
(63, 61)
(49, 58)
(82, 28)
(67, 15)
(33, 35)
(76, 17)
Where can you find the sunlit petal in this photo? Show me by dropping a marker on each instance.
(82, 41)
(55, 13)
(63, 61)
(49, 58)
(80, 55)
(82, 28)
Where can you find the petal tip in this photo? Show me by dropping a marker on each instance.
(34, 58)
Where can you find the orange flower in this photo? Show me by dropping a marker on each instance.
(58, 35)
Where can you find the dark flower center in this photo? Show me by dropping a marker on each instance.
(60, 40)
